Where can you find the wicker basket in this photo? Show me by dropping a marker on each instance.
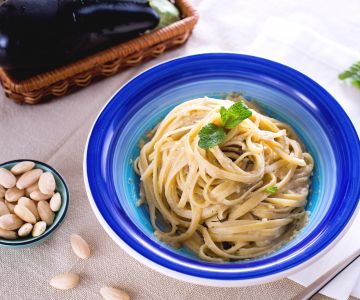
(105, 63)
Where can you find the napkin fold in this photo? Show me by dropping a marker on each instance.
(322, 60)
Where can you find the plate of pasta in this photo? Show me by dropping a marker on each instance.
(223, 169)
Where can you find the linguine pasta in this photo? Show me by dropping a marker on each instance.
(241, 199)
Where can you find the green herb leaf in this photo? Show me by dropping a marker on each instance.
(352, 74)
(233, 116)
(211, 135)
(224, 115)
(271, 189)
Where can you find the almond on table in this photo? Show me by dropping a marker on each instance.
(3, 209)
(45, 212)
(10, 222)
(7, 179)
(31, 188)
(30, 204)
(55, 202)
(65, 281)
(39, 228)
(25, 229)
(24, 214)
(13, 194)
(80, 246)
(39, 196)
(2, 192)
(10, 206)
(28, 178)
(22, 167)
(47, 183)
(7, 234)
(110, 293)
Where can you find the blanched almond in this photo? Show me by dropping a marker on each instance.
(39, 196)
(10, 222)
(110, 293)
(13, 194)
(65, 281)
(24, 214)
(30, 204)
(10, 206)
(39, 228)
(55, 202)
(45, 212)
(31, 188)
(7, 179)
(47, 183)
(3, 209)
(25, 229)
(28, 178)
(2, 192)
(8, 234)
(22, 167)
(80, 246)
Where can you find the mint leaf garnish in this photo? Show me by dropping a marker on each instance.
(233, 116)
(271, 189)
(352, 74)
(211, 135)
(224, 114)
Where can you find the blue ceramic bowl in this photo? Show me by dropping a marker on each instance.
(281, 92)
(61, 187)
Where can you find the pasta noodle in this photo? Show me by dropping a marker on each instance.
(216, 202)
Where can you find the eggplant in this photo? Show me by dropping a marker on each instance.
(28, 16)
(104, 17)
(47, 33)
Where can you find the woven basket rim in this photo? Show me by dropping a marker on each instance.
(125, 49)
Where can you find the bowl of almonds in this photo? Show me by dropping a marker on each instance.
(34, 200)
